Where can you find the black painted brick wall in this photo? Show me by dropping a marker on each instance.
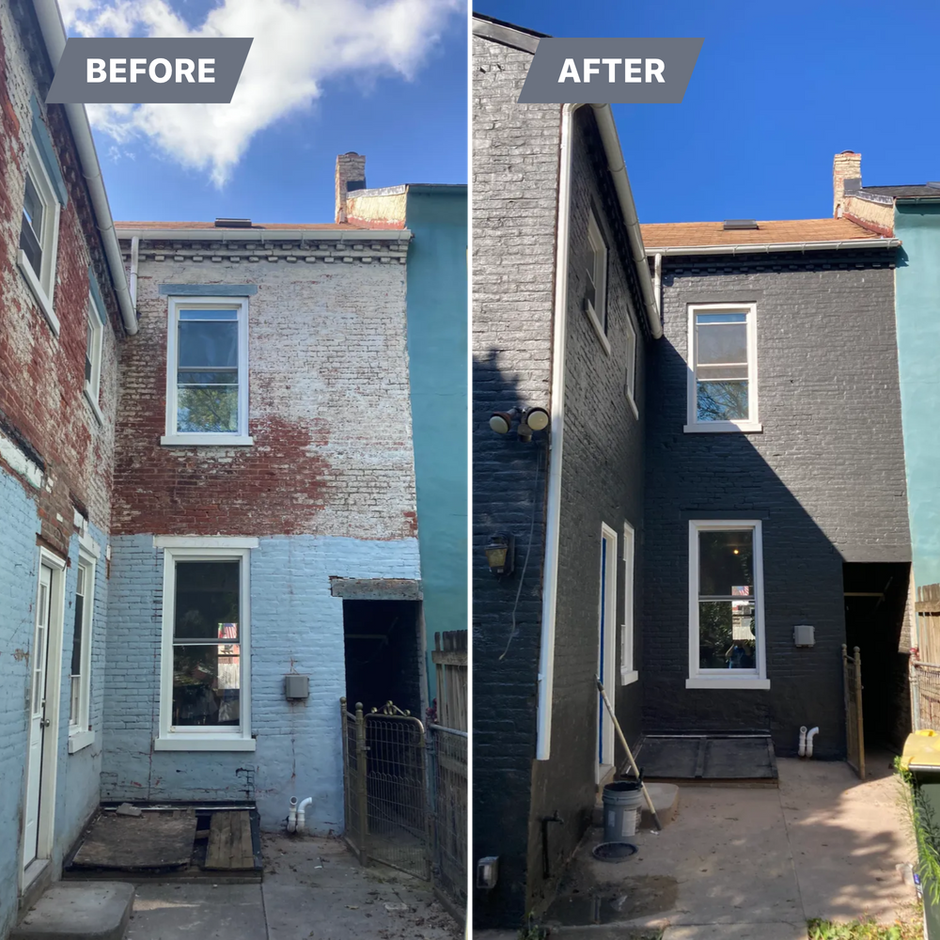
(826, 476)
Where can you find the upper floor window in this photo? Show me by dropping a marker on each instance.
(207, 371)
(631, 366)
(93, 343)
(595, 295)
(722, 368)
(39, 233)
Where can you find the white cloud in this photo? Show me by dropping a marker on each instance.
(298, 44)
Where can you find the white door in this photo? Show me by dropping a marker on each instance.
(39, 660)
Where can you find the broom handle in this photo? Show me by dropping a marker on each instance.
(626, 747)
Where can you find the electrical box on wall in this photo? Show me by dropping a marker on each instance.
(804, 635)
(296, 687)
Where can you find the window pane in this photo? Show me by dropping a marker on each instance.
(206, 685)
(208, 345)
(726, 563)
(31, 230)
(78, 631)
(207, 408)
(726, 316)
(227, 314)
(721, 342)
(726, 635)
(206, 600)
(722, 401)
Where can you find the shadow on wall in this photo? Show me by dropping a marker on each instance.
(508, 498)
(725, 477)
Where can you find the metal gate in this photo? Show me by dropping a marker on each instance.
(854, 730)
(447, 795)
(385, 786)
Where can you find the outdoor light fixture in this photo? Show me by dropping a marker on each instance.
(536, 418)
(501, 421)
(499, 554)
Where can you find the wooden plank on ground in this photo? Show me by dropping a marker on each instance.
(230, 841)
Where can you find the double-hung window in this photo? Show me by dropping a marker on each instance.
(726, 606)
(80, 733)
(207, 371)
(631, 366)
(205, 687)
(93, 342)
(628, 671)
(722, 392)
(39, 233)
(595, 293)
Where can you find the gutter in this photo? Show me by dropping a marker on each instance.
(53, 34)
(618, 171)
(264, 235)
(782, 246)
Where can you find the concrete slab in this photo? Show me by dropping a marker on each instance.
(780, 931)
(79, 910)
(168, 911)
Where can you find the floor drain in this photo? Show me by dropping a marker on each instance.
(614, 851)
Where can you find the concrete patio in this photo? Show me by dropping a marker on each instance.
(741, 862)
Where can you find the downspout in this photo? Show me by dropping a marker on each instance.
(618, 170)
(657, 283)
(135, 258)
(53, 34)
(553, 500)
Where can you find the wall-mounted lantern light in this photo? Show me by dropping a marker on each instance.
(536, 418)
(501, 422)
(499, 554)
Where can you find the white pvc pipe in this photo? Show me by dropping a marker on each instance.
(809, 741)
(292, 815)
(53, 34)
(301, 814)
(802, 740)
(543, 747)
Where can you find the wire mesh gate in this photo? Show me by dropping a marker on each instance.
(405, 796)
(854, 729)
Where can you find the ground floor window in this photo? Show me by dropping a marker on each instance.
(80, 671)
(726, 622)
(205, 685)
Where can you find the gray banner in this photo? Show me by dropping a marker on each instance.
(610, 71)
(149, 71)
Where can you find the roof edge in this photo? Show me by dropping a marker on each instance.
(770, 247)
(506, 34)
(261, 235)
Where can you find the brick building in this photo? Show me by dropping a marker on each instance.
(65, 312)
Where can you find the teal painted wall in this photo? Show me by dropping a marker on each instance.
(918, 322)
(437, 353)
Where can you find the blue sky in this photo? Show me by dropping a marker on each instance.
(773, 96)
(412, 128)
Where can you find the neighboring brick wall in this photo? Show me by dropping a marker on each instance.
(515, 182)
(826, 476)
(329, 404)
(296, 624)
(41, 375)
(602, 482)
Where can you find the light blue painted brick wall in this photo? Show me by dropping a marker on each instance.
(295, 623)
(77, 774)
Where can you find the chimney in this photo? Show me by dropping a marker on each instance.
(350, 176)
(846, 178)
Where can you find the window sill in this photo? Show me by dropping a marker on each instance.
(79, 740)
(724, 427)
(749, 682)
(207, 440)
(181, 742)
(628, 678)
(596, 323)
(45, 304)
(99, 417)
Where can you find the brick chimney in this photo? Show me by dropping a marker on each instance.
(350, 176)
(846, 176)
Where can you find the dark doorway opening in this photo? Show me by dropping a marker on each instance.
(384, 655)
(875, 603)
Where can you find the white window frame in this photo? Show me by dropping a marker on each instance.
(631, 366)
(628, 670)
(236, 438)
(599, 256)
(197, 738)
(751, 423)
(607, 603)
(81, 734)
(719, 678)
(42, 282)
(96, 321)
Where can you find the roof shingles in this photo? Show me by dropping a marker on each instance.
(778, 232)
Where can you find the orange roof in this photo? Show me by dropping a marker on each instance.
(700, 234)
(257, 226)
